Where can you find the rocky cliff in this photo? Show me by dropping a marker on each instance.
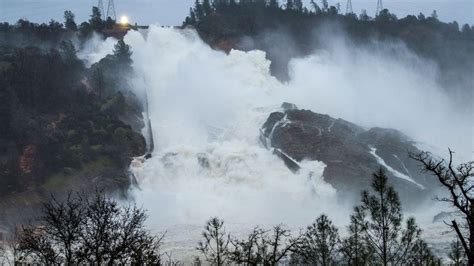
(350, 152)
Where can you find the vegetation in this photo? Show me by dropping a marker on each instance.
(458, 181)
(287, 29)
(57, 115)
(87, 230)
(375, 237)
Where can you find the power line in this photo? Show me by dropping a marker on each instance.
(100, 5)
(111, 10)
(349, 7)
(379, 7)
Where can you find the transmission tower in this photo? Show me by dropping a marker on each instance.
(100, 5)
(379, 7)
(349, 7)
(111, 10)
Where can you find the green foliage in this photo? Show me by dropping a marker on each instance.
(69, 21)
(355, 249)
(215, 246)
(96, 21)
(59, 115)
(320, 243)
(382, 224)
(123, 52)
(443, 43)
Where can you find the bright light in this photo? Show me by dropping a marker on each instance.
(124, 20)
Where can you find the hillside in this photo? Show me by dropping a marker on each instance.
(288, 30)
(64, 126)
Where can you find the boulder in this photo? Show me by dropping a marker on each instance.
(350, 152)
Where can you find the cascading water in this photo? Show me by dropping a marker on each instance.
(207, 107)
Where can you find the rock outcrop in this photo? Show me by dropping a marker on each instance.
(350, 152)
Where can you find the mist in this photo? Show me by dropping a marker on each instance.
(206, 108)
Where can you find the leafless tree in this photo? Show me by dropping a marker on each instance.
(111, 234)
(13, 252)
(278, 246)
(94, 230)
(246, 251)
(456, 254)
(459, 182)
(62, 222)
(170, 261)
(37, 242)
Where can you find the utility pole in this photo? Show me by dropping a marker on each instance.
(349, 7)
(100, 5)
(379, 7)
(111, 11)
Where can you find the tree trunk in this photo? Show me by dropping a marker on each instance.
(470, 253)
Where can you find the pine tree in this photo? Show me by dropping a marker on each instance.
(391, 244)
(123, 52)
(325, 6)
(215, 246)
(68, 51)
(206, 6)
(69, 22)
(198, 10)
(273, 4)
(96, 21)
(299, 5)
(354, 248)
(98, 82)
(320, 243)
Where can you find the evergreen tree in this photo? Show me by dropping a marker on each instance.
(123, 52)
(325, 6)
(198, 10)
(215, 246)
(96, 21)
(391, 244)
(69, 22)
(98, 82)
(273, 4)
(299, 5)
(206, 7)
(354, 248)
(320, 243)
(68, 51)
(420, 254)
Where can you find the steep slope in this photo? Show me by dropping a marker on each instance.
(350, 152)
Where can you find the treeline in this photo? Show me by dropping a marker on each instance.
(377, 235)
(98, 230)
(52, 33)
(223, 24)
(59, 117)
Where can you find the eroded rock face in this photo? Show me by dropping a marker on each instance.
(350, 152)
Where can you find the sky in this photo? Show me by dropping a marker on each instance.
(173, 12)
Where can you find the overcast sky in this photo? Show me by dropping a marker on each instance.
(172, 12)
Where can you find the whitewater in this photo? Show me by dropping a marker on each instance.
(207, 107)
